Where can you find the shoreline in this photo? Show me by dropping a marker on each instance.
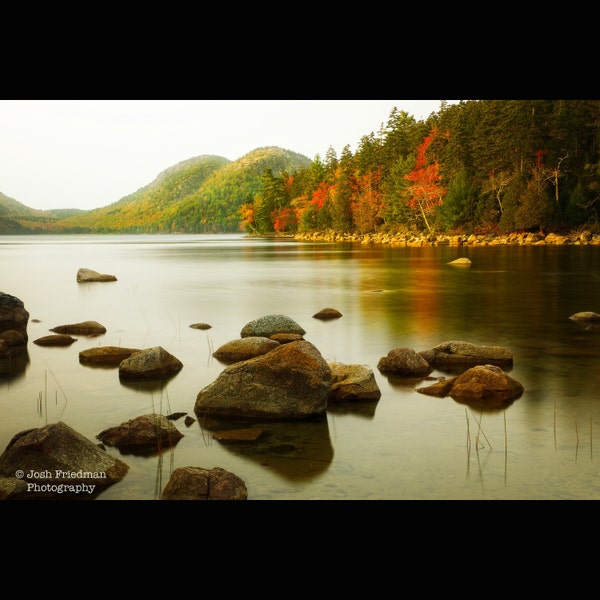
(584, 238)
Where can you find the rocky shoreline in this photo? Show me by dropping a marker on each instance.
(585, 238)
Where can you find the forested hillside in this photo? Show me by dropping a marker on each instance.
(16, 218)
(199, 195)
(490, 165)
(479, 165)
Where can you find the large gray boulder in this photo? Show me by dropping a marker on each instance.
(56, 458)
(290, 382)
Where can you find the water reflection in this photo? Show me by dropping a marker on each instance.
(145, 385)
(405, 383)
(407, 445)
(358, 409)
(490, 404)
(299, 450)
(14, 367)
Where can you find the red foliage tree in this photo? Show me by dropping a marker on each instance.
(425, 190)
(283, 219)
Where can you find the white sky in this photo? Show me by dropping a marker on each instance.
(90, 153)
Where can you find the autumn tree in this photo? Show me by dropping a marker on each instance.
(367, 202)
(425, 189)
(247, 222)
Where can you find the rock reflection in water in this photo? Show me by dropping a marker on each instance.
(296, 450)
(142, 385)
(360, 409)
(490, 404)
(14, 367)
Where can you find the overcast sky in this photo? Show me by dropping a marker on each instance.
(90, 153)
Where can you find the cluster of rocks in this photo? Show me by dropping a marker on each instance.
(13, 326)
(272, 374)
(55, 461)
(56, 449)
(487, 239)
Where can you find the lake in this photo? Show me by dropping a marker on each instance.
(406, 446)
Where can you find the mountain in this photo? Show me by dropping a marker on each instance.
(16, 218)
(199, 195)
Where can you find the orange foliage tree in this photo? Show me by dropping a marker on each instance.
(247, 222)
(425, 191)
(366, 202)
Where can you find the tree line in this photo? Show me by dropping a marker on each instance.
(474, 166)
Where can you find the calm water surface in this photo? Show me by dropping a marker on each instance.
(407, 446)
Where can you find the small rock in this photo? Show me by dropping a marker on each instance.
(327, 313)
(59, 339)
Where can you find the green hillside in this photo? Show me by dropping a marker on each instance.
(16, 218)
(201, 194)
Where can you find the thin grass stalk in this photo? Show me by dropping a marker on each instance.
(46, 396)
(468, 445)
(479, 429)
(505, 451)
(555, 425)
(63, 394)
